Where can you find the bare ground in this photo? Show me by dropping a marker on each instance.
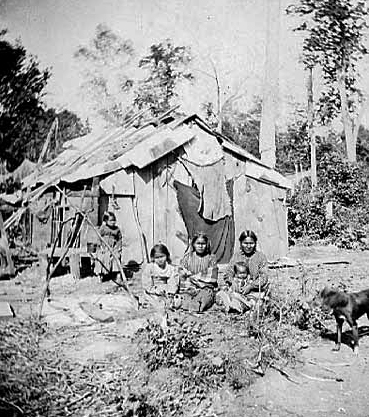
(320, 383)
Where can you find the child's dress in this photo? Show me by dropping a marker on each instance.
(105, 263)
(198, 281)
(158, 283)
(231, 295)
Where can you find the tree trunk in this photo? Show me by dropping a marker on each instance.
(363, 109)
(346, 120)
(311, 132)
(270, 91)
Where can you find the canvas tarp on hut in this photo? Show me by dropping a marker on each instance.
(164, 182)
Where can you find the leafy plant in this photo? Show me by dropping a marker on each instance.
(342, 183)
(160, 348)
(166, 65)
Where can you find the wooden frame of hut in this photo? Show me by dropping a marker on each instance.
(164, 181)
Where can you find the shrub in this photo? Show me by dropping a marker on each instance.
(341, 181)
(345, 185)
(160, 348)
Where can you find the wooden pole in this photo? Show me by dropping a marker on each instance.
(54, 127)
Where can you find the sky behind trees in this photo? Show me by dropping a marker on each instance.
(229, 32)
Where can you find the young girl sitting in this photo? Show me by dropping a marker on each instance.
(106, 266)
(159, 278)
(198, 276)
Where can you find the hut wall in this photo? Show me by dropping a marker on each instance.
(169, 227)
(41, 232)
(259, 206)
(132, 245)
(144, 193)
(158, 211)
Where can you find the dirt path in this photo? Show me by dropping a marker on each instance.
(322, 384)
(334, 383)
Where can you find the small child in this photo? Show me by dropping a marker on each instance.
(241, 272)
(159, 278)
(106, 265)
(234, 298)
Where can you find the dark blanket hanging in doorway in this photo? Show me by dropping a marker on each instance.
(221, 232)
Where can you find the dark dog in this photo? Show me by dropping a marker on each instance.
(345, 306)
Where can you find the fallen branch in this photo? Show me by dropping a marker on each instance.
(12, 405)
(333, 364)
(82, 397)
(315, 378)
(284, 373)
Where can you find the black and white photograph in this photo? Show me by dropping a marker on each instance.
(184, 208)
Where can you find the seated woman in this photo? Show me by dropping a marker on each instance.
(198, 276)
(246, 277)
(160, 278)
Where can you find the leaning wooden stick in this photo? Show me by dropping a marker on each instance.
(71, 238)
(60, 260)
(52, 254)
(113, 254)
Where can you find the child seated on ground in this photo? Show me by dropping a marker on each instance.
(160, 278)
(241, 272)
(257, 282)
(232, 294)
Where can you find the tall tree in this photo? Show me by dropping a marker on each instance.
(22, 83)
(270, 90)
(24, 118)
(334, 39)
(243, 127)
(293, 144)
(69, 126)
(311, 131)
(167, 66)
(109, 64)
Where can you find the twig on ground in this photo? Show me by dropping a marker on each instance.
(321, 366)
(12, 405)
(86, 394)
(335, 364)
(316, 378)
(284, 373)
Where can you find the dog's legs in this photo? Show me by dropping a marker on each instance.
(355, 335)
(339, 334)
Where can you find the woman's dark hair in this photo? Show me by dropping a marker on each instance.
(160, 248)
(107, 215)
(201, 235)
(248, 233)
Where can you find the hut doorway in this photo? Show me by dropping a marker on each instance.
(221, 232)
